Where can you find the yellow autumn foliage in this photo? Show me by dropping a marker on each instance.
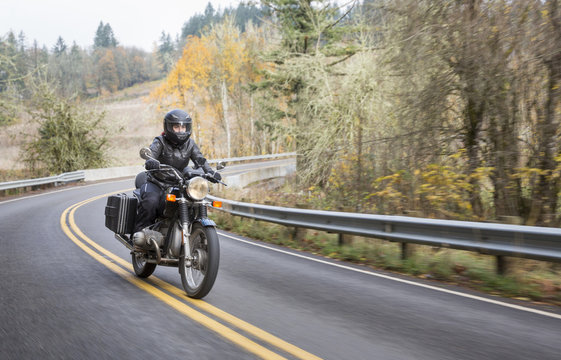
(210, 81)
(189, 75)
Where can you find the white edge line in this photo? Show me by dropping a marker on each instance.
(475, 297)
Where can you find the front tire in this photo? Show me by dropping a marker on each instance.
(199, 278)
(142, 268)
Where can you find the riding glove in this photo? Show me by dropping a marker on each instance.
(152, 164)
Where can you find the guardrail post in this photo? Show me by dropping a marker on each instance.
(406, 250)
(506, 265)
(345, 239)
(299, 233)
(502, 265)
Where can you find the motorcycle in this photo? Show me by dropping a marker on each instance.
(182, 237)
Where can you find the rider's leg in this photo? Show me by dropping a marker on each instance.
(151, 204)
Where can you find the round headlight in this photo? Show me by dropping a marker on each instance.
(197, 188)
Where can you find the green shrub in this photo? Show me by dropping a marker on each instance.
(69, 138)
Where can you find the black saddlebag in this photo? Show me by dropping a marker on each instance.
(120, 213)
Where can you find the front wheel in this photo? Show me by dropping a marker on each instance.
(198, 278)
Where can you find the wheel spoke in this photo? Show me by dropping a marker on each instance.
(196, 273)
(141, 267)
(198, 278)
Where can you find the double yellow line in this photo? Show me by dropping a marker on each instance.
(155, 287)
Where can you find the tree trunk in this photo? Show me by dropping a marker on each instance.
(252, 122)
(545, 199)
(226, 115)
(472, 124)
(359, 185)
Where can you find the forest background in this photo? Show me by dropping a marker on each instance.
(446, 109)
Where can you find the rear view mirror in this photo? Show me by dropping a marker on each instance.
(221, 165)
(145, 153)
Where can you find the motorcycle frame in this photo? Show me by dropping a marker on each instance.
(192, 215)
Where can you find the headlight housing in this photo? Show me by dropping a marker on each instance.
(197, 188)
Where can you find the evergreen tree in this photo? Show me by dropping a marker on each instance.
(242, 14)
(13, 62)
(21, 42)
(69, 137)
(104, 36)
(110, 36)
(198, 22)
(60, 47)
(246, 13)
(305, 22)
(166, 52)
(8, 76)
(311, 44)
(99, 36)
(209, 12)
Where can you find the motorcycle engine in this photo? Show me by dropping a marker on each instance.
(144, 241)
(175, 241)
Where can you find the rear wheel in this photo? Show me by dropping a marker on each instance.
(142, 268)
(198, 278)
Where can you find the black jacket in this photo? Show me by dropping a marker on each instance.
(178, 156)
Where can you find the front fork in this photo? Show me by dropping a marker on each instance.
(185, 230)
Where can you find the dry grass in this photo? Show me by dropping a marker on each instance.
(12, 139)
(133, 123)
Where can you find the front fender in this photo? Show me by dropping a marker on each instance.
(205, 222)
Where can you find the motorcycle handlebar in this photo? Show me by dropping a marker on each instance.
(211, 178)
(178, 174)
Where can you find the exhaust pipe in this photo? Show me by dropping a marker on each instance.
(169, 262)
(154, 244)
(122, 239)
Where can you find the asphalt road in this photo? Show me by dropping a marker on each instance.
(63, 300)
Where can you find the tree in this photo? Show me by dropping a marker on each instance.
(108, 77)
(246, 14)
(303, 68)
(122, 67)
(243, 14)
(198, 22)
(547, 46)
(60, 47)
(212, 80)
(69, 138)
(104, 37)
(13, 72)
(228, 51)
(166, 52)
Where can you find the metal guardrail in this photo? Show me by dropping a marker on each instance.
(80, 175)
(532, 242)
(57, 179)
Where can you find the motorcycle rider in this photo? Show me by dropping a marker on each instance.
(174, 147)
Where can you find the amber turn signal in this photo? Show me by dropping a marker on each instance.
(217, 204)
(170, 197)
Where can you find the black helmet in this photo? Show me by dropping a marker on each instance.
(177, 117)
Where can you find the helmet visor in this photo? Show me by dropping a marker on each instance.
(182, 128)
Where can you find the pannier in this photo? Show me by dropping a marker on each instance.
(120, 213)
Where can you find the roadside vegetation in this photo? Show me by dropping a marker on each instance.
(527, 280)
